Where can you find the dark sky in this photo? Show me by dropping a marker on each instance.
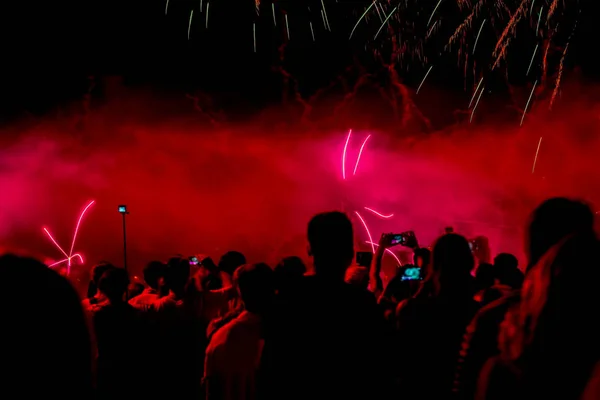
(49, 48)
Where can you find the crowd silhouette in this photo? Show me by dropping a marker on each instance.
(468, 327)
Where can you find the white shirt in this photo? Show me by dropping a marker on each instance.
(233, 358)
(144, 300)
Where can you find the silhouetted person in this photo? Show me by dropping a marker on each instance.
(289, 273)
(422, 259)
(96, 274)
(485, 278)
(209, 275)
(116, 326)
(228, 263)
(550, 222)
(234, 353)
(327, 338)
(94, 297)
(430, 327)
(153, 273)
(180, 342)
(506, 268)
(549, 343)
(45, 346)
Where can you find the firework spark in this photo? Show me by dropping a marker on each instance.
(423, 81)
(528, 102)
(536, 155)
(476, 104)
(478, 34)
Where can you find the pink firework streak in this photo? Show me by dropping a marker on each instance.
(377, 213)
(344, 154)
(70, 255)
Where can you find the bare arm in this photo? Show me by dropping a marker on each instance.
(375, 281)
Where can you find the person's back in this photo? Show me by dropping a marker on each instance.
(233, 355)
(549, 223)
(430, 328)
(325, 337)
(117, 329)
(549, 344)
(44, 341)
(333, 331)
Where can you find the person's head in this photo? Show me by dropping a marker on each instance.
(256, 286)
(113, 284)
(177, 274)
(552, 332)
(96, 273)
(452, 263)
(331, 244)
(422, 257)
(207, 276)
(506, 267)
(288, 271)
(154, 271)
(485, 276)
(552, 221)
(44, 333)
(229, 262)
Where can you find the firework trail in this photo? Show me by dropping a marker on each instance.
(70, 255)
(369, 209)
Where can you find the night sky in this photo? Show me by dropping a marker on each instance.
(50, 49)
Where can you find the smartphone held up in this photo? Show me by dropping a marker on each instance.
(406, 239)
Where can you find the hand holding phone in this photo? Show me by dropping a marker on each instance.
(412, 273)
(407, 239)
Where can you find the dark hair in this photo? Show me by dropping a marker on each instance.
(331, 240)
(506, 267)
(114, 283)
(485, 276)
(288, 271)
(97, 272)
(153, 272)
(257, 286)
(177, 274)
(45, 333)
(556, 335)
(552, 221)
(230, 261)
(424, 254)
(453, 263)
